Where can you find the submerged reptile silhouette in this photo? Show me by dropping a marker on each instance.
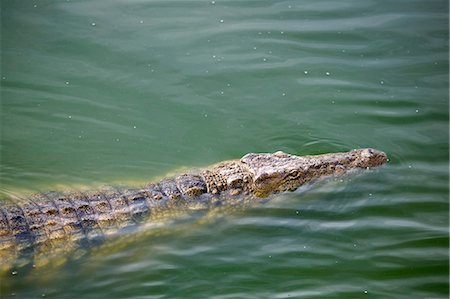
(42, 221)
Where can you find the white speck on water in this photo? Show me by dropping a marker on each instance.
(327, 73)
(354, 245)
(409, 166)
(152, 70)
(343, 51)
(332, 102)
(70, 116)
(304, 247)
(221, 92)
(289, 6)
(417, 110)
(281, 32)
(141, 21)
(370, 194)
(14, 272)
(306, 72)
(35, 5)
(297, 212)
(283, 94)
(214, 56)
(93, 24)
(206, 115)
(67, 82)
(254, 48)
(134, 127)
(270, 256)
(117, 139)
(259, 33)
(4, 78)
(213, 2)
(221, 21)
(206, 71)
(228, 84)
(79, 136)
(381, 82)
(264, 59)
(365, 292)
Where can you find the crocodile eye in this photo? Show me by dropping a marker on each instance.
(294, 173)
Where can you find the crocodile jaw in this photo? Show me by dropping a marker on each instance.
(280, 171)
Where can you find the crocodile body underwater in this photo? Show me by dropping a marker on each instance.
(38, 223)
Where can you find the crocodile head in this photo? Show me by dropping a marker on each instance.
(280, 171)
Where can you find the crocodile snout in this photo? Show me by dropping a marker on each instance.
(374, 157)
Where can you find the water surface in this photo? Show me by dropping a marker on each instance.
(125, 92)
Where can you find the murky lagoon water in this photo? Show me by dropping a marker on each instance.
(123, 92)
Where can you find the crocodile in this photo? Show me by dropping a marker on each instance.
(46, 219)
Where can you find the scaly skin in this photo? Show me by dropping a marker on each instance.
(50, 218)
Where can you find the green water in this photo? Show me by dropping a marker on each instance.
(123, 92)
